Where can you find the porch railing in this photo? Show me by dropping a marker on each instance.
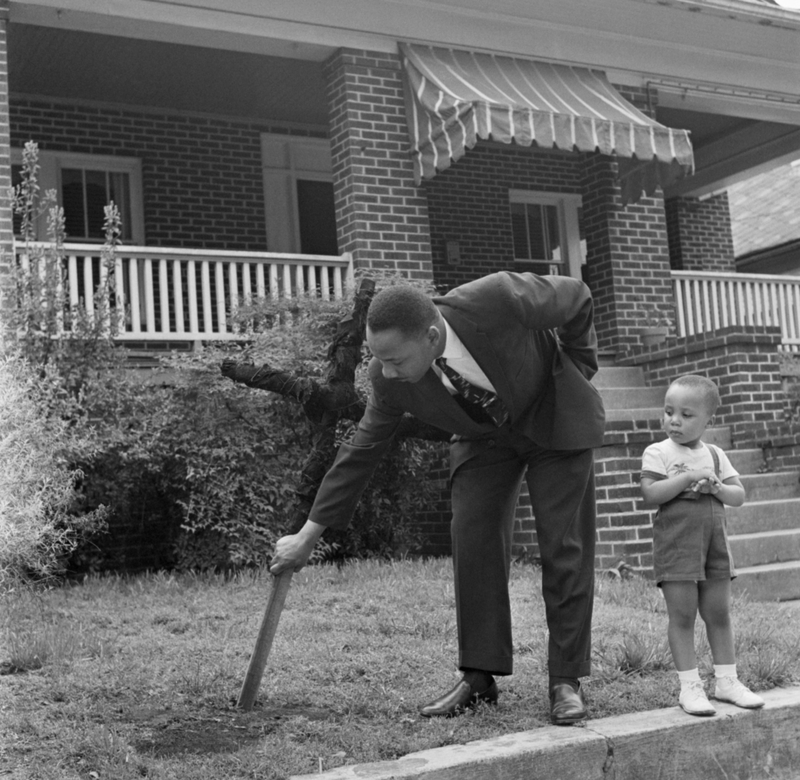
(190, 294)
(709, 301)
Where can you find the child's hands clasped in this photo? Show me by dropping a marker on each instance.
(709, 485)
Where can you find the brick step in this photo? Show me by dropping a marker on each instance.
(759, 516)
(770, 582)
(766, 547)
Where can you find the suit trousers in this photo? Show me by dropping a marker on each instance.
(484, 498)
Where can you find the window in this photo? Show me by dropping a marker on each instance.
(547, 232)
(298, 193)
(84, 185)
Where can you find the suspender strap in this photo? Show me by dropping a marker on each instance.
(715, 456)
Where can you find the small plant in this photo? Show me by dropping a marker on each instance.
(655, 317)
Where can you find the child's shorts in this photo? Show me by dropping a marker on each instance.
(690, 541)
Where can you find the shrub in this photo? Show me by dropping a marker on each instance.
(39, 521)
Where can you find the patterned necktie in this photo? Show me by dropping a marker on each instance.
(486, 399)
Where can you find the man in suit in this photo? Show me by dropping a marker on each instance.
(503, 363)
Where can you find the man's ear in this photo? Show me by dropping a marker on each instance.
(434, 335)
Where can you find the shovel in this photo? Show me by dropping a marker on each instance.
(269, 625)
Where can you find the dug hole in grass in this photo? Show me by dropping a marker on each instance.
(130, 677)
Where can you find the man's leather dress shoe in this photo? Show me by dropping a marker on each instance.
(567, 705)
(461, 698)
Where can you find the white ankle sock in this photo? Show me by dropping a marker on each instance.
(725, 670)
(689, 676)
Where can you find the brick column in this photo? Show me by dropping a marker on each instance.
(381, 214)
(6, 223)
(700, 237)
(627, 257)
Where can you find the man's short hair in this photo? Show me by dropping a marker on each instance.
(702, 385)
(402, 307)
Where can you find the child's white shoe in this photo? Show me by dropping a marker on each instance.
(693, 699)
(730, 689)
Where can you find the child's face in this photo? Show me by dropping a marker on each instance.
(686, 415)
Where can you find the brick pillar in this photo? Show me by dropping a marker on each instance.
(627, 257)
(6, 223)
(381, 214)
(700, 237)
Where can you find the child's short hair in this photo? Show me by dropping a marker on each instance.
(704, 386)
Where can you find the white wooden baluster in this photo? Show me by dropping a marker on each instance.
(163, 295)
(233, 292)
(88, 285)
(775, 311)
(260, 285)
(677, 288)
(325, 284)
(119, 290)
(105, 308)
(796, 313)
(177, 291)
(133, 283)
(191, 284)
(312, 281)
(149, 299)
(247, 294)
(337, 283)
(287, 281)
(205, 291)
(273, 281)
(219, 281)
(299, 281)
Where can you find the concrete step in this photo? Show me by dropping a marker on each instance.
(721, 436)
(766, 547)
(643, 413)
(770, 582)
(759, 516)
(632, 397)
(744, 461)
(771, 485)
(619, 376)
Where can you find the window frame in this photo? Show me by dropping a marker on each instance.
(567, 206)
(51, 163)
(282, 158)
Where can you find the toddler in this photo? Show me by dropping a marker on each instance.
(690, 481)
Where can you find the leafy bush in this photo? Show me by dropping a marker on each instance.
(39, 522)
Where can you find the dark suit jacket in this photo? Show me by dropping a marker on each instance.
(533, 336)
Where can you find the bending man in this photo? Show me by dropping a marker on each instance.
(503, 363)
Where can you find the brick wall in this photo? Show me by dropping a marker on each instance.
(627, 257)
(201, 175)
(469, 203)
(700, 237)
(381, 214)
(742, 360)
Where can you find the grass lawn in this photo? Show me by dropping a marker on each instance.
(131, 677)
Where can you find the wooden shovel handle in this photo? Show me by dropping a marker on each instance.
(269, 625)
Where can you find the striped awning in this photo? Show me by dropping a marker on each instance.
(456, 97)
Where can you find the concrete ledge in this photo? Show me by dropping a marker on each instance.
(665, 744)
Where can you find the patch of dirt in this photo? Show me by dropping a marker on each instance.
(168, 732)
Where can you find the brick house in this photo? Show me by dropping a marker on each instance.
(262, 148)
